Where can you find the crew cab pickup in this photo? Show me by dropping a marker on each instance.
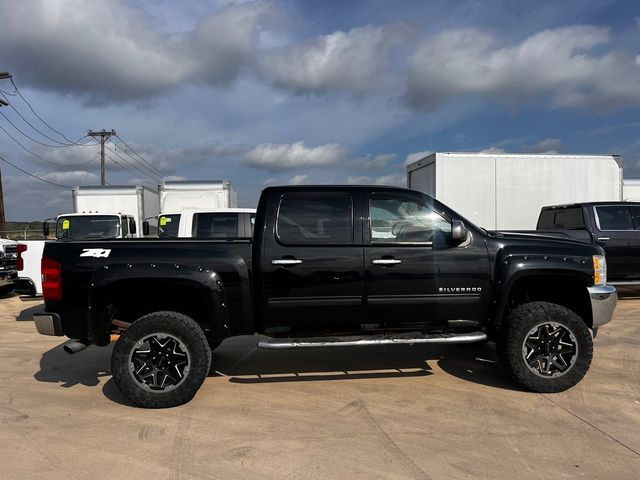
(329, 266)
(615, 226)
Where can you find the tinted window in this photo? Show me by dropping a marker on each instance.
(567, 218)
(315, 220)
(215, 225)
(617, 217)
(87, 227)
(168, 225)
(400, 221)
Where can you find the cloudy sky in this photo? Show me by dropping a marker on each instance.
(275, 92)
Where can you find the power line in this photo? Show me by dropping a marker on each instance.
(29, 123)
(140, 156)
(17, 90)
(104, 135)
(31, 174)
(150, 173)
(39, 142)
(146, 174)
(127, 169)
(42, 158)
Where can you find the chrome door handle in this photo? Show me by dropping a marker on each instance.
(386, 261)
(602, 239)
(285, 261)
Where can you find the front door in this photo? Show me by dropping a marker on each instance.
(616, 235)
(313, 272)
(415, 275)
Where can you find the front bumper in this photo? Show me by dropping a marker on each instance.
(604, 299)
(48, 324)
(7, 277)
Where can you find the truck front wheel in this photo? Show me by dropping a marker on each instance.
(161, 360)
(545, 347)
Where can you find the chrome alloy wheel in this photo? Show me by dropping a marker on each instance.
(159, 362)
(550, 349)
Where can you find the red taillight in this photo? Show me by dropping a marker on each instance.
(21, 247)
(51, 279)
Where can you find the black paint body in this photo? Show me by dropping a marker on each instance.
(232, 287)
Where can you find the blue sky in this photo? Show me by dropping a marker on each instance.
(310, 91)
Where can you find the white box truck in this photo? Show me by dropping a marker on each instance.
(504, 191)
(104, 212)
(176, 196)
(631, 190)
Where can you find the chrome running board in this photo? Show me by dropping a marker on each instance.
(365, 341)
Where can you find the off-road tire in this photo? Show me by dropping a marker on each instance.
(191, 340)
(510, 346)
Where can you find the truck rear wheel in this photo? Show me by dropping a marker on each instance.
(6, 290)
(545, 347)
(161, 360)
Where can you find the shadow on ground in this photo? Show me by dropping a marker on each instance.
(26, 315)
(240, 361)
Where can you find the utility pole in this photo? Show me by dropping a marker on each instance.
(104, 136)
(3, 222)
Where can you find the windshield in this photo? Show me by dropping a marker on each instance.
(88, 227)
(168, 225)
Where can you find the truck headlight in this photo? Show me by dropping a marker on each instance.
(599, 270)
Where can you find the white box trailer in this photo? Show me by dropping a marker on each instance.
(135, 201)
(176, 196)
(504, 191)
(631, 190)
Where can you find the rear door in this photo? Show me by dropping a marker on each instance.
(617, 234)
(313, 273)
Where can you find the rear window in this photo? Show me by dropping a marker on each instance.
(614, 217)
(215, 225)
(315, 220)
(565, 218)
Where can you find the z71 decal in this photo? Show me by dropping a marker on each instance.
(95, 252)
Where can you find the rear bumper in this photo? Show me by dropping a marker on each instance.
(48, 324)
(604, 299)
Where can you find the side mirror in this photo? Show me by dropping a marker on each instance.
(132, 226)
(459, 232)
(45, 228)
(145, 228)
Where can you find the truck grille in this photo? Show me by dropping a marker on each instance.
(8, 258)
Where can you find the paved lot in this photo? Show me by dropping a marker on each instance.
(392, 412)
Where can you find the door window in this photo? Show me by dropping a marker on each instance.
(614, 217)
(316, 220)
(404, 221)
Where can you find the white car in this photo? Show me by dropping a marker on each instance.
(29, 280)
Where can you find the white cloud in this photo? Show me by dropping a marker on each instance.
(414, 157)
(379, 161)
(299, 180)
(561, 67)
(492, 150)
(353, 61)
(393, 179)
(548, 145)
(111, 50)
(270, 156)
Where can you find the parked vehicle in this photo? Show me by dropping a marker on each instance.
(615, 226)
(329, 266)
(8, 263)
(29, 281)
(193, 195)
(220, 223)
(109, 211)
(501, 191)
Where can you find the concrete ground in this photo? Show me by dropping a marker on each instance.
(401, 412)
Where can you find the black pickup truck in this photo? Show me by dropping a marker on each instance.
(328, 266)
(615, 226)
